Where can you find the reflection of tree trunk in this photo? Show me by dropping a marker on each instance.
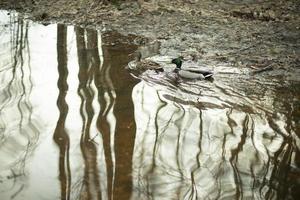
(91, 183)
(60, 135)
(118, 157)
(235, 152)
(125, 129)
(105, 126)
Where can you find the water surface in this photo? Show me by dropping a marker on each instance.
(74, 124)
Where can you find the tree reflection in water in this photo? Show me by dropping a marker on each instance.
(18, 130)
(100, 110)
(220, 145)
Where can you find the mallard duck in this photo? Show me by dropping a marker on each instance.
(189, 73)
(139, 64)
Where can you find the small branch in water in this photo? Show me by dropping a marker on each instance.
(256, 70)
(17, 192)
(14, 175)
(5, 69)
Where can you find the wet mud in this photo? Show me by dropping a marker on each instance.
(250, 34)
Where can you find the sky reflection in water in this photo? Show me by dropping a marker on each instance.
(75, 125)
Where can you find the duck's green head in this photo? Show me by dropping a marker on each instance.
(177, 61)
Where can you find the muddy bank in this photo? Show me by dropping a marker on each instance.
(252, 34)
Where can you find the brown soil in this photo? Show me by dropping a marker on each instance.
(252, 34)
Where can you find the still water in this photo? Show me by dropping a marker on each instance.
(74, 124)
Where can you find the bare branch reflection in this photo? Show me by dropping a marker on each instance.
(18, 131)
(227, 151)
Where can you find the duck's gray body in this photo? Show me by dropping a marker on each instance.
(190, 75)
(190, 72)
(194, 73)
